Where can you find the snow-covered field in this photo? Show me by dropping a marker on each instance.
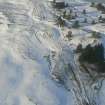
(33, 53)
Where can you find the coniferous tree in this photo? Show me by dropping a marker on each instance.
(54, 1)
(85, 20)
(92, 54)
(93, 22)
(79, 48)
(69, 35)
(71, 11)
(76, 24)
(100, 18)
(92, 4)
(64, 14)
(84, 12)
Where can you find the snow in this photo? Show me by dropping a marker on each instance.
(24, 73)
(98, 28)
(28, 36)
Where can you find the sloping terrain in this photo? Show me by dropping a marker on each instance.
(26, 40)
(34, 55)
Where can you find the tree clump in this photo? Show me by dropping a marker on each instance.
(100, 7)
(93, 55)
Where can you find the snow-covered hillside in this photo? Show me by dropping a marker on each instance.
(27, 38)
(33, 54)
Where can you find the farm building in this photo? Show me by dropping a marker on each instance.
(60, 4)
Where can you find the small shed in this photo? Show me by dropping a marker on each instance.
(60, 4)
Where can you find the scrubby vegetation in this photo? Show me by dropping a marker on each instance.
(60, 21)
(96, 34)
